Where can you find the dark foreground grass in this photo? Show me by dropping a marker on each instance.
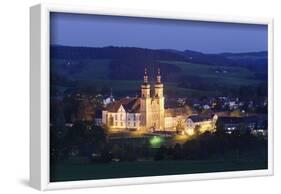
(72, 172)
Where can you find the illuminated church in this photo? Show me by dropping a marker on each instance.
(146, 112)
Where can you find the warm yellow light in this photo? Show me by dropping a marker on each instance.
(180, 138)
(190, 132)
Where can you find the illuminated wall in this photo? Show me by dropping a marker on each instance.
(121, 119)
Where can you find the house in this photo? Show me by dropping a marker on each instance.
(206, 107)
(108, 100)
(174, 116)
(204, 123)
(230, 124)
(260, 128)
(122, 114)
(253, 124)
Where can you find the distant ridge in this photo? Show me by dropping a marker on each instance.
(154, 55)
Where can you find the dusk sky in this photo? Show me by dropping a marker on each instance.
(208, 37)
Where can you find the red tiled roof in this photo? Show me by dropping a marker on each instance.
(131, 105)
(172, 112)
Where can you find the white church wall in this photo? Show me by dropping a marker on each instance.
(104, 117)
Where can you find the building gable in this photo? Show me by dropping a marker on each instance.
(121, 109)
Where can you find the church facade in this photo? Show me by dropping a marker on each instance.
(146, 112)
(152, 109)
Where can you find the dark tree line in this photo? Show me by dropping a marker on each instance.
(85, 139)
(82, 139)
(216, 146)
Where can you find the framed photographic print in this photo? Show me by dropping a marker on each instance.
(133, 97)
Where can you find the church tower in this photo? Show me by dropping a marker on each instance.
(159, 102)
(145, 102)
(152, 107)
(145, 87)
(158, 85)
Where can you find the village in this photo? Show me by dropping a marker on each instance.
(152, 114)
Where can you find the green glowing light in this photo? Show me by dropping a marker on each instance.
(156, 141)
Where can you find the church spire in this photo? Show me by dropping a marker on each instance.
(145, 77)
(158, 76)
(111, 95)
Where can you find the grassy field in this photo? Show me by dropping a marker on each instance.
(100, 70)
(96, 72)
(87, 69)
(233, 76)
(71, 172)
(132, 87)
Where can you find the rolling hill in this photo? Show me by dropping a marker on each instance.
(184, 72)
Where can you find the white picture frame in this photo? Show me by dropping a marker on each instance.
(39, 101)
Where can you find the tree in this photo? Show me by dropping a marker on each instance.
(219, 127)
(197, 130)
(177, 152)
(116, 151)
(180, 126)
(99, 134)
(160, 154)
(106, 156)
